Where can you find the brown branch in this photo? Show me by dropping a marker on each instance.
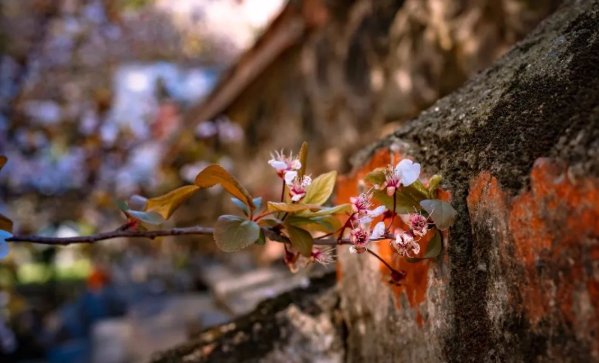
(63, 241)
(273, 235)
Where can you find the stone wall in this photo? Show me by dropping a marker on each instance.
(518, 147)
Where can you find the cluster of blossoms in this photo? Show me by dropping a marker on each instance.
(287, 168)
(405, 243)
(394, 182)
(360, 220)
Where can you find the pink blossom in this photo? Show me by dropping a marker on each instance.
(324, 256)
(405, 245)
(405, 173)
(295, 261)
(418, 224)
(284, 164)
(297, 186)
(361, 205)
(361, 235)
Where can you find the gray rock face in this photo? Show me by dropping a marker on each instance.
(518, 147)
(302, 325)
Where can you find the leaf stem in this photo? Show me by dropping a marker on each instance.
(393, 213)
(283, 191)
(345, 225)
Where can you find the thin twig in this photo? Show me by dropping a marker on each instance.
(63, 241)
(189, 231)
(394, 213)
(382, 260)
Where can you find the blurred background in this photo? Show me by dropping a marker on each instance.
(104, 99)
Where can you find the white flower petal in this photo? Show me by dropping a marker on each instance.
(290, 177)
(378, 231)
(408, 171)
(296, 164)
(365, 220)
(278, 164)
(306, 181)
(415, 248)
(377, 211)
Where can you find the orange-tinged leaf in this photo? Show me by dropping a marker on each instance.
(166, 204)
(215, 174)
(5, 223)
(3, 161)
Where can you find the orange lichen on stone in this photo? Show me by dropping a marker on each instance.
(416, 282)
(554, 228)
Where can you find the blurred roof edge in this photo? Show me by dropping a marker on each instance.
(296, 19)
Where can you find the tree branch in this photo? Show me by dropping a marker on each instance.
(190, 231)
(63, 241)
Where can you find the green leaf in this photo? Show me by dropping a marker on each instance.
(122, 205)
(270, 221)
(303, 158)
(376, 177)
(241, 205)
(5, 223)
(215, 174)
(325, 224)
(153, 218)
(416, 190)
(441, 212)
(338, 209)
(261, 239)
(257, 203)
(433, 184)
(290, 207)
(433, 249)
(233, 233)
(407, 198)
(300, 239)
(166, 204)
(321, 188)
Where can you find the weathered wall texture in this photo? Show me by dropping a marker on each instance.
(299, 326)
(518, 148)
(350, 67)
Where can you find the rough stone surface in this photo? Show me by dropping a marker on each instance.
(518, 147)
(299, 326)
